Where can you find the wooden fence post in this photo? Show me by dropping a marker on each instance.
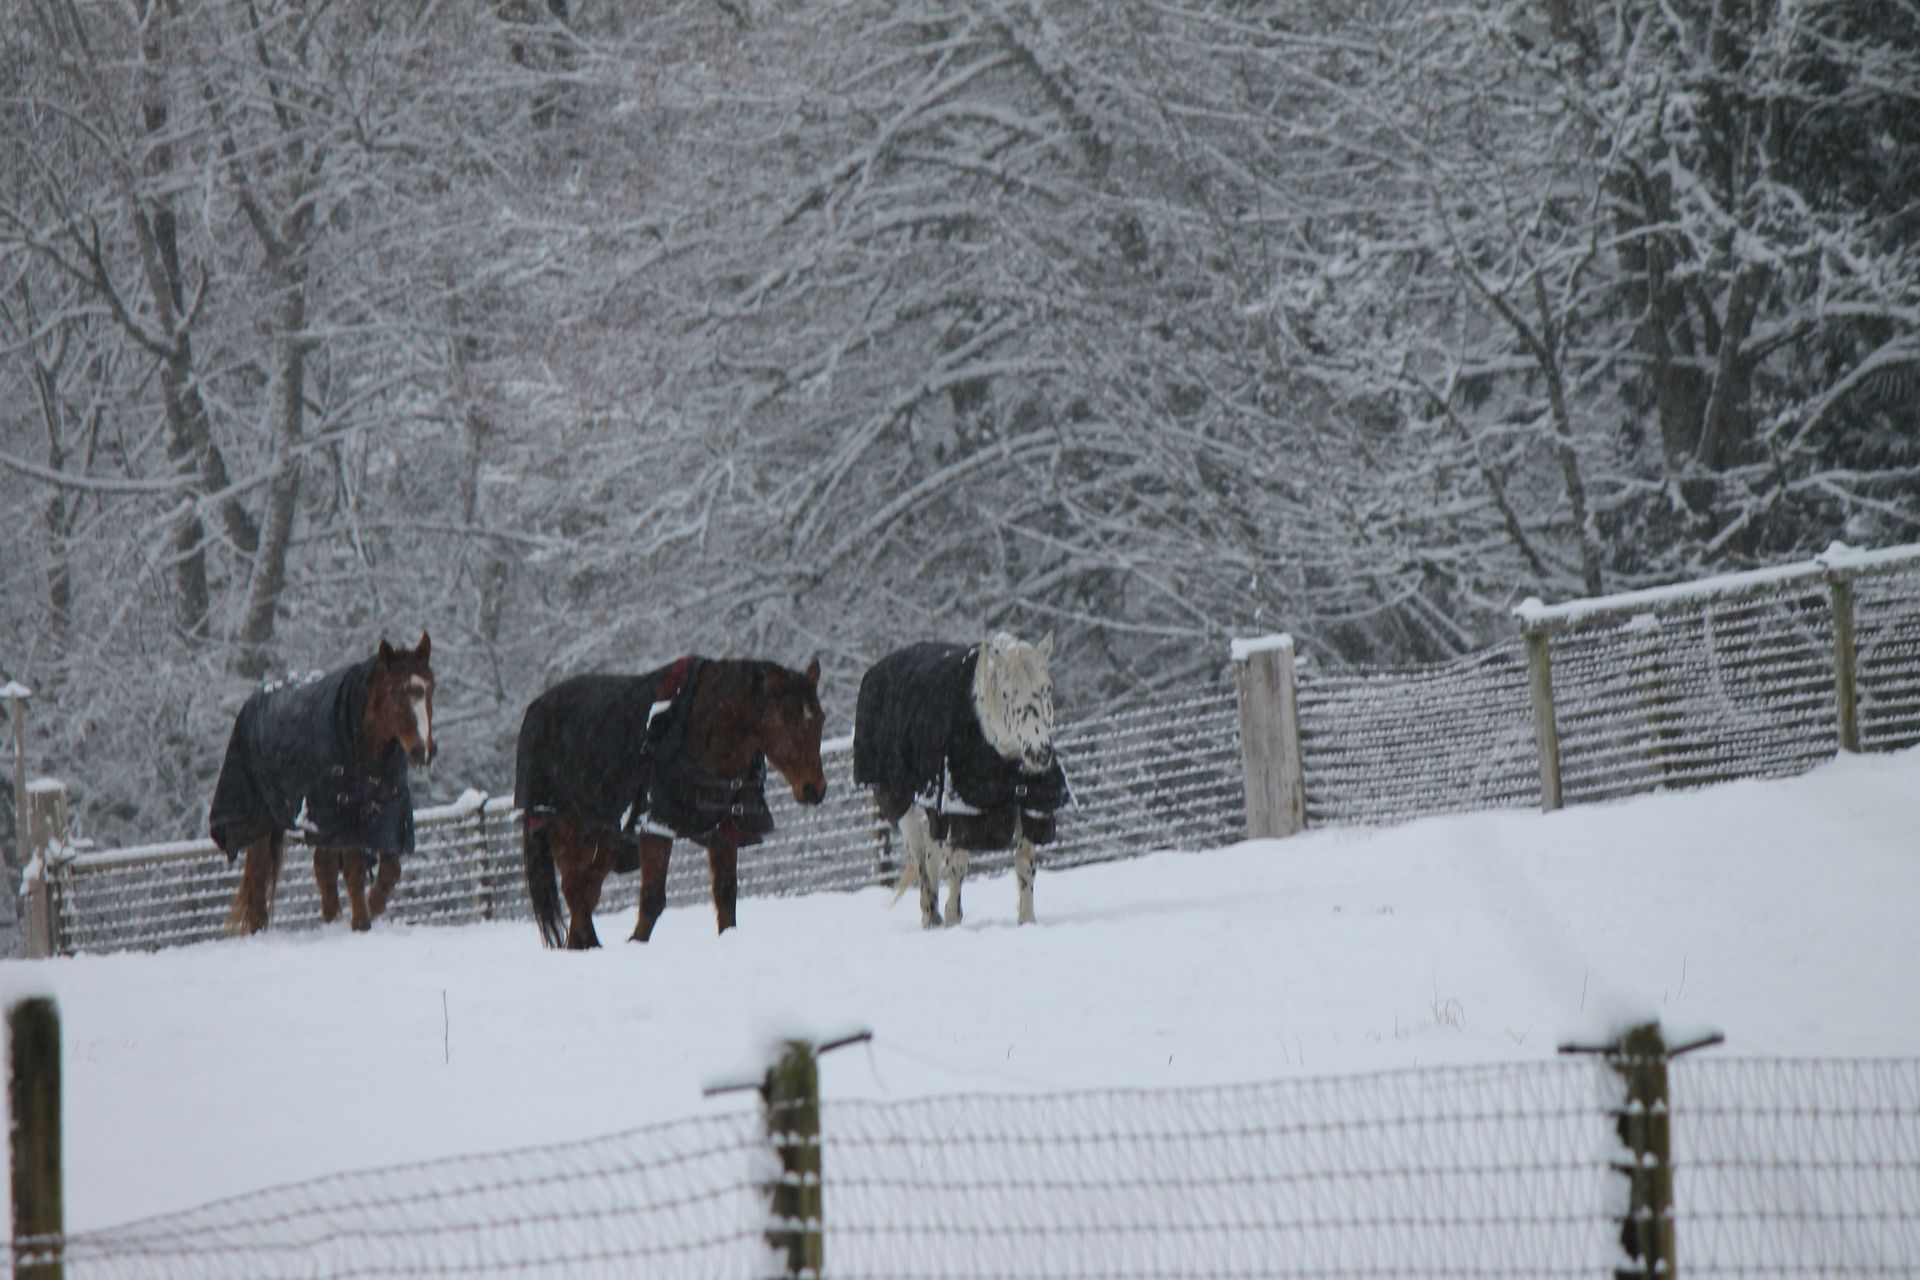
(17, 695)
(1546, 729)
(46, 837)
(1646, 1233)
(482, 887)
(1271, 764)
(792, 1094)
(1845, 688)
(33, 1106)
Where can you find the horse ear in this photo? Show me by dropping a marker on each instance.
(1046, 644)
(813, 673)
(425, 647)
(386, 650)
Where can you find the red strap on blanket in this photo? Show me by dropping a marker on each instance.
(676, 675)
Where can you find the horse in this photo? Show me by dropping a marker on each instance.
(956, 743)
(326, 755)
(611, 769)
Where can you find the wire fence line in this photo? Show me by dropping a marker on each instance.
(1749, 675)
(1779, 1167)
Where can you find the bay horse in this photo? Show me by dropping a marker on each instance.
(611, 769)
(956, 742)
(326, 755)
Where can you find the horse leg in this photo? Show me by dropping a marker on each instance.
(654, 852)
(384, 881)
(353, 869)
(723, 859)
(259, 883)
(583, 865)
(920, 856)
(1023, 876)
(958, 860)
(326, 874)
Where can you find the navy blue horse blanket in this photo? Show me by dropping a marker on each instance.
(917, 740)
(295, 761)
(609, 752)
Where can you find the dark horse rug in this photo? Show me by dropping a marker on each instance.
(609, 752)
(917, 740)
(295, 762)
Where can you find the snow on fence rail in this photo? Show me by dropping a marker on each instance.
(1747, 675)
(1533, 1169)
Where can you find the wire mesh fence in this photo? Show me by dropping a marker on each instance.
(1143, 779)
(1806, 1167)
(1735, 677)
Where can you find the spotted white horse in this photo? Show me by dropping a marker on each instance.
(956, 742)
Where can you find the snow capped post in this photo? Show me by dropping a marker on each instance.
(1271, 764)
(792, 1095)
(1845, 689)
(790, 1091)
(1645, 1125)
(16, 695)
(1546, 729)
(33, 1107)
(46, 838)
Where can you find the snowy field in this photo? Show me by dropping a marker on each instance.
(1781, 913)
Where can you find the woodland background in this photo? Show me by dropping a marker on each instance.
(583, 334)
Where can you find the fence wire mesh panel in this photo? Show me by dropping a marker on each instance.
(1886, 638)
(1494, 1171)
(1387, 746)
(1701, 692)
(1796, 1167)
(679, 1199)
(1159, 777)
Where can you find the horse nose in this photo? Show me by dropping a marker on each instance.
(1039, 758)
(423, 755)
(813, 793)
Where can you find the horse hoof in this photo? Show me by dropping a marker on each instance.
(362, 926)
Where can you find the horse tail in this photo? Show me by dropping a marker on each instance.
(909, 876)
(543, 882)
(252, 908)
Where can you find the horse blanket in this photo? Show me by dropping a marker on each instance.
(917, 740)
(609, 752)
(294, 762)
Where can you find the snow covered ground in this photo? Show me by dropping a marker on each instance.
(1780, 913)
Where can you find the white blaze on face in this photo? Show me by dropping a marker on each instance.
(422, 709)
(1013, 697)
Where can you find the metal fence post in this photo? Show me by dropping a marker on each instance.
(1272, 768)
(33, 1106)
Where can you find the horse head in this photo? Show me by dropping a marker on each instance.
(790, 725)
(400, 701)
(1013, 697)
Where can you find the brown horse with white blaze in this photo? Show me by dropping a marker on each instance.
(611, 769)
(326, 755)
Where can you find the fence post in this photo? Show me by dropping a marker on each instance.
(1845, 690)
(17, 695)
(1271, 764)
(46, 837)
(792, 1094)
(33, 1106)
(482, 888)
(1546, 730)
(1646, 1233)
